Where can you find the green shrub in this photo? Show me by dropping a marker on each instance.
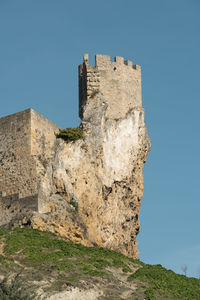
(166, 283)
(14, 291)
(149, 293)
(70, 134)
(74, 204)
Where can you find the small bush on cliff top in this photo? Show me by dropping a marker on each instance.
(70, 134)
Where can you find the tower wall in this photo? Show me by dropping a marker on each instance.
(26, 142)
(17, 168)
(119, 83)
(42, 148)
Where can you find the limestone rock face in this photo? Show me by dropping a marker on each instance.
(102, 175)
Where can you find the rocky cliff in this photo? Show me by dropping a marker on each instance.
(94, 185)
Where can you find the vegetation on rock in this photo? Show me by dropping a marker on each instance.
(70, 134)
(44, 257)
(166, 283)
(14, 290)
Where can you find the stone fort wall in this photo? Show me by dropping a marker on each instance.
(17, 168)
(118, 82)
(26, 141)
(13, 205)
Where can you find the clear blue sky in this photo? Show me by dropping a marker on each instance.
(41, 45)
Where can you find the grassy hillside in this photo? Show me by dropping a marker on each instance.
(42, 262)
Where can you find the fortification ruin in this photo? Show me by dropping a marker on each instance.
(119, 82)
(26, 138)
(101, 173)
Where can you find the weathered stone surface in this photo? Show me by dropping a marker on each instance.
(26, 142)
(90, 191)
(102, 173)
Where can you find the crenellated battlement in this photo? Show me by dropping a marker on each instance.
(102, 60)
(118, 81)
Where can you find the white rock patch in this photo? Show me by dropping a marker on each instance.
(120, 139)
(77, 294)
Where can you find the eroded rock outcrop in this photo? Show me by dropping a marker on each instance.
(91, 189)
(102, 174)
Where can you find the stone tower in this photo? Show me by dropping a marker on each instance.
(119, 83)
(110, 181)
